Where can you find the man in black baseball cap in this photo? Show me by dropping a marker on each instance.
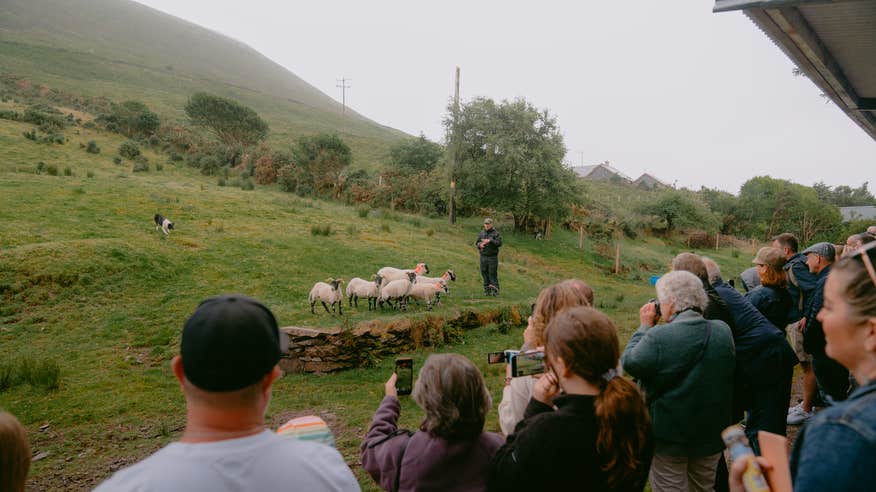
(226, 369)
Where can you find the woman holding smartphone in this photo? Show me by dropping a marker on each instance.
(551, 300)
(599, 436)
(451, 451)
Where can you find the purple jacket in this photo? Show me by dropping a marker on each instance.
(427, 462)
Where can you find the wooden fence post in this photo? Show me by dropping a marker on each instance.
(617, 259)
(717, 240)
(580, 237)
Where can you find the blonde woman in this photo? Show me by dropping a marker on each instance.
(551, 300)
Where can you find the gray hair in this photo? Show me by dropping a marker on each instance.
(453, 394)
(683, 289)
(713, 270)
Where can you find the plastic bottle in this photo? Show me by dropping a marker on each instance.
(752, 478)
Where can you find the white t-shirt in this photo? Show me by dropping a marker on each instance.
(264, 461)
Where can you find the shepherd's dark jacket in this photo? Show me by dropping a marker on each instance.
(492, 248)
(556, 450)
(763, 356)
(813, 335)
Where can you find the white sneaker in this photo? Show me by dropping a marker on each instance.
(795, 408)
(798, 416)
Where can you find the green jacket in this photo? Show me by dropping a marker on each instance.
(691, 410)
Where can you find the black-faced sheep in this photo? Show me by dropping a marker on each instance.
(330, 292)
(397, 290)
(390, 273)
(448, 275)
(370, 290)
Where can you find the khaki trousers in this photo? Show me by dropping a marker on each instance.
(682, 473)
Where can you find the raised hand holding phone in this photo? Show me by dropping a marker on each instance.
(404, 372)
(389, 387)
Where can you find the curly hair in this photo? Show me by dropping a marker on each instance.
(555, 298)
(453, 394)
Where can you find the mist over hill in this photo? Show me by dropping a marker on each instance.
(124, 50)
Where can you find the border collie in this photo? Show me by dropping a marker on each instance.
(164, 224)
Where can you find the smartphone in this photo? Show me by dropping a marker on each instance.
(404, 367)
(527, 364)
(502, 357)
(656, 304)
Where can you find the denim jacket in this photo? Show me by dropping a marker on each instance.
(836, 450)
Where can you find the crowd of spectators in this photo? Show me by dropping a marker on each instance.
(598, 418)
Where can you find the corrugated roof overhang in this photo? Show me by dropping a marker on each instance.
(833, 42)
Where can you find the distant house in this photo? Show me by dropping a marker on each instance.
(602, 171)
(650, 182)
(866, 212)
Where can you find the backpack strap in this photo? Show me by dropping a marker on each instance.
(793, 279)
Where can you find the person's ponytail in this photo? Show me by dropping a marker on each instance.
(624, 429)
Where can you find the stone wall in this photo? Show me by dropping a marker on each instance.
(312, 350)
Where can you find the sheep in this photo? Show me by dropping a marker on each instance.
(330, 292)
(398, 290)
(448, 275)
(427, 292)
(370, 290)
(389, 273)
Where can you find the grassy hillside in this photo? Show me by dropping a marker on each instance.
(88, 284)
(124, 50)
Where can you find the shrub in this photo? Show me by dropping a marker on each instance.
(159, 166)
(117, 160)
(141, 164)
(352, 230)
(68, 171)
(362, 212)
(324, 230)
(247, 185)
(41, 167)
(430, 232)
(209, 165)
(92, 147)
(31, 135)
(129, 149)
(221, 182)
(52, 170)
(89, 174)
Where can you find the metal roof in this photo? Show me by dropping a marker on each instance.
(833, 42)
(585, 171)
(858, 213)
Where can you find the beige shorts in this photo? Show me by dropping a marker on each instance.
(796, 339)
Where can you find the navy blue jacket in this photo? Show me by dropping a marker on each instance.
(798, 271)
(813, 335)
(762, 353)
(773, 302)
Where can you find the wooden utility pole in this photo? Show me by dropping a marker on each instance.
(454, 145)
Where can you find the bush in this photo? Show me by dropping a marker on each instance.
(89, 174)
(92, 147)
(247, 185)
(52, 170)
(159, 166)
(129, 149)
(141, 164)
(31, 135)
(352, 230)
(362, 212)
(68, 171)
(41, 167)
(209, 165)
(221, 182)
(175, 157)
(385, 228)
(117, 160)
(324, 230)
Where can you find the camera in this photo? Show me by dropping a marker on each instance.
(656, 304)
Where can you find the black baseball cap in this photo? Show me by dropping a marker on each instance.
(229, 343)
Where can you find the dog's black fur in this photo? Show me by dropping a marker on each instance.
(162, 223)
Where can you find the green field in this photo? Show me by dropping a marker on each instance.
(88, 283)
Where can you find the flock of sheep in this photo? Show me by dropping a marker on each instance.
(388, 285)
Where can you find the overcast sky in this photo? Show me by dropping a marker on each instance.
(665, 87)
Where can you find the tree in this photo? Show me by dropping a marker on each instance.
(134, 118)
(678, 208)
(416, 155)
(510, 159)
(230, 121)
(322, 159)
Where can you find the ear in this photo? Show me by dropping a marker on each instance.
(560, 367)
(177, 366)
(870, 335)
(270, 378)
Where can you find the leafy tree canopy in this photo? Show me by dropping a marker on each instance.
(417, 155)
(509, 158)
(232, 122)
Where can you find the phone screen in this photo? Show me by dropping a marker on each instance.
(527, 364)
(405, 370)
(495, 357)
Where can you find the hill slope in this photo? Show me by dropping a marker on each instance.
(124, 50)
